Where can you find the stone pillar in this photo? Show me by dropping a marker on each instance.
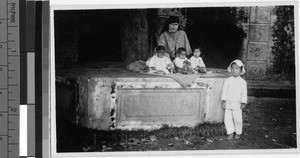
(259, 42)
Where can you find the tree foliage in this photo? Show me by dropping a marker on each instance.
(284, 42)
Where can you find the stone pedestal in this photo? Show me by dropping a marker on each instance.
(126, 100)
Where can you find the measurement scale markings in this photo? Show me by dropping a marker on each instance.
(11, 45)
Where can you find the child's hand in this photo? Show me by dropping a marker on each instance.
(243, 105)
(223, 104)
(153, 68)
(187, 62)
(169, 66)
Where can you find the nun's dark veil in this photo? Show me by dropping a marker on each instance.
(171, 19)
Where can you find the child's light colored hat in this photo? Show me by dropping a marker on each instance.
(239, 64)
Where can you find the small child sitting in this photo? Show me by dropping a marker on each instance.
(160, 63)
(182, 63)
(196, 61)
(234, 99)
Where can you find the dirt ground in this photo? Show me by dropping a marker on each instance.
(268, 123)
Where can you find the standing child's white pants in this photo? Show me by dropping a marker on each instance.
(233, 120)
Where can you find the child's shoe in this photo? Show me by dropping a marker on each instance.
(237, 136)
(230, 136)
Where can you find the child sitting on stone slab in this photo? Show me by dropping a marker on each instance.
(234, 99)
(196, 61)
(160, 63)
(182, 63)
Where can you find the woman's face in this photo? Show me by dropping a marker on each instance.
(173, 27)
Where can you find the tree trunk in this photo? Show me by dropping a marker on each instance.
(134, 34)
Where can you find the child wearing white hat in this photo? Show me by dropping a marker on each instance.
(234, 99)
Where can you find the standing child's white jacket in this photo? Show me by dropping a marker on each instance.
(234, 92)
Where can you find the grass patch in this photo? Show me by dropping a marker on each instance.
(74, 138)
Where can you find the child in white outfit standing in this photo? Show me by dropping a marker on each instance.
(234, 99)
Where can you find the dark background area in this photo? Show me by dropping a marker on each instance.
(99, 35)
(96, 35)
(214, 29)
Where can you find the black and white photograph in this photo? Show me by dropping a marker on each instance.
(178, 78)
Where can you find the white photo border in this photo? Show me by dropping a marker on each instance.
(92, 4)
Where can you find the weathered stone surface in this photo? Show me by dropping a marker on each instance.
(257, 51)
(214, 111)
(94, 104)
(146, 102)
(259, 33)
(256, 70)
(260, 15)
(161, 106)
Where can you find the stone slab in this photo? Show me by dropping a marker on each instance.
(161, 106)
(257, 51)
(100, 98)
